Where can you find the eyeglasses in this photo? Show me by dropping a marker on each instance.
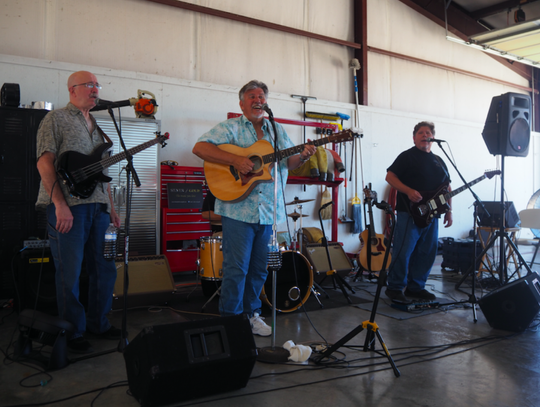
(90, 85)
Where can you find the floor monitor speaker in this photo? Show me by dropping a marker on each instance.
(170, 363)
(513, 306)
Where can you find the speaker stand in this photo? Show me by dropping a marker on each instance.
(500, 235)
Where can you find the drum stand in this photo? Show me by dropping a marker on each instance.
(371, 325)
(217, 292)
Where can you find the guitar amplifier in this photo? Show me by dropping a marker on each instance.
(317, 256)
(150, 282)
(494, 218)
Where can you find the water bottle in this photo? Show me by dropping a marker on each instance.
(109, 247)
(274, 255)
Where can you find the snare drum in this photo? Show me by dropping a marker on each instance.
(294, 281)
(210, 263)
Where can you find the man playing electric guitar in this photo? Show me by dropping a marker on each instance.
(76, 227)
(415, 247)
(247, 223)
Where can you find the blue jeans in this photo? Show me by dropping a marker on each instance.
(245, 256)
(413, 253)
(84, 240)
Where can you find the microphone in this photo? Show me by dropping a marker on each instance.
(436, 140)
(267, 110)
(102, 104)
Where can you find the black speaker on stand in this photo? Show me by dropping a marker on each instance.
(171, 363)
(507, 127)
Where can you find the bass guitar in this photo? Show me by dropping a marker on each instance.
(371, 256)
(81, 173)
(227, 184)
(435, 203)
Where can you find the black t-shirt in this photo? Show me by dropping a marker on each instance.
(418, 170)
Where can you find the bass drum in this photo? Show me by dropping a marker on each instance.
(293, 283)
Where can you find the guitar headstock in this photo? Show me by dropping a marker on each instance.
(345, 135)
(162, 138)
(491, 174)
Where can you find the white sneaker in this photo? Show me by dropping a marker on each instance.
(258, 327)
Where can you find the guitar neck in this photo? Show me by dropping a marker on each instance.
(107, 162)
(464, 187)
(335, 138)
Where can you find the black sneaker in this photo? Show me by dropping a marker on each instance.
(422, 294)
(396, 295)
(79, 345)
(111, 333)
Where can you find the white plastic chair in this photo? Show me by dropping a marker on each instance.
(530, 218)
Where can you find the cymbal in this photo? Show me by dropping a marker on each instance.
(299, 201)
(297, 215)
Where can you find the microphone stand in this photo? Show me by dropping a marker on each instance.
(370, 325)
(273, 353)
(472, 297)
(130, 172)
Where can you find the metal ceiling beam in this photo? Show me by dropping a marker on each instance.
(502, 7)
(253, 21)
(462, 25)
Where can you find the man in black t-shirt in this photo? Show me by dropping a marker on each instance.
(415, 248)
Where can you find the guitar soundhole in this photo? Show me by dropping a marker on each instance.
(257, 163)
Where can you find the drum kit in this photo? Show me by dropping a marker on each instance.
(294, 282)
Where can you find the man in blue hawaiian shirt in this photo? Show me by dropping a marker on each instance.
(247, 224)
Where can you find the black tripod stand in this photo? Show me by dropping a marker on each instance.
(500, 235)
(371, 325)
(336, 278)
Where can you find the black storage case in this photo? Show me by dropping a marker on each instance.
(458, 254)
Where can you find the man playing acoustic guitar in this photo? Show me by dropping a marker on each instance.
(415, 247)
(247, 222)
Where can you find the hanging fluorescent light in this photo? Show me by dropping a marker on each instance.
(494, 51)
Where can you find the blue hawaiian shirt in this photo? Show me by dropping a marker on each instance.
(258, 206)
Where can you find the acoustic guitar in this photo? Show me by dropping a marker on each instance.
(81, 173)
(435, 203)
(371, 256)
(227, 184)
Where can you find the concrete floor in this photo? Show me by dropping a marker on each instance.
(445, 359)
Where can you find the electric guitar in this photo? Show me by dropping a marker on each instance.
(435, 203)
(227, 184)
(81, 173)
(371, 256)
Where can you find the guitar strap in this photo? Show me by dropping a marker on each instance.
(443, 166)
(105, 137)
